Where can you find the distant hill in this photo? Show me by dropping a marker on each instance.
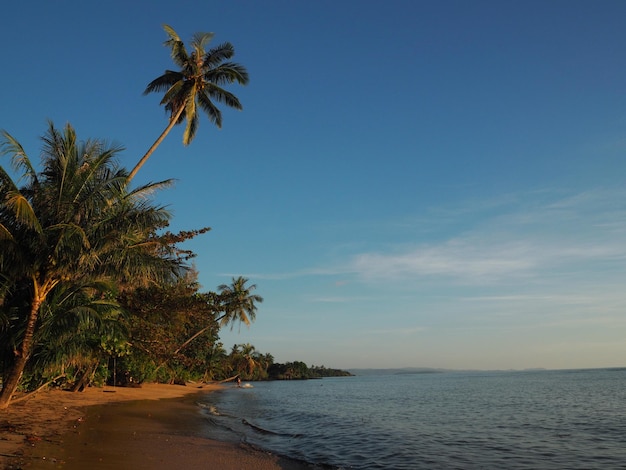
(399, 371)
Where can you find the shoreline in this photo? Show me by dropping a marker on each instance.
(155, 426)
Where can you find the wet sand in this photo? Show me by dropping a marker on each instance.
(153, 427)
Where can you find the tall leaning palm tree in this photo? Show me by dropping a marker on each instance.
(75, 327)
(72, 226)
(239, 302)
(197, 84)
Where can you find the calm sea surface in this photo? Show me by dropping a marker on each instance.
(465, 420)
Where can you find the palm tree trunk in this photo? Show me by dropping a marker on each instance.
(85, 378)
(144, 159)
(17, 368)
(186, 343)
(41, 387)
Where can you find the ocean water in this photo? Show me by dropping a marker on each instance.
(451, 420)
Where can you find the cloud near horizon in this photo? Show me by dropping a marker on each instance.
(518, 237)
(582, 232)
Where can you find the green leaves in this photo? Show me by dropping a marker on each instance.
(238, 302)
(198, 81)
(77, 235)
(199, 42)
(19, 159)
(24, 214)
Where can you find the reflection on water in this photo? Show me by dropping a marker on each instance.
(542, 419)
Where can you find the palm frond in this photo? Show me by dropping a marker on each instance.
(6, 182)
(19, 159)
(96, 175)
(219, 54)
(227, 73)
(213, 112)
(199, 42)
(177, 47)
(171, 33)
(164, 82)
(22, 210)
(222, 96)
(5, 233)
(175, 95)
(146, 191)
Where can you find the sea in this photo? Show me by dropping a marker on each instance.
(567, 419)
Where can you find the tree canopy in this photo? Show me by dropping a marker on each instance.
(73, 228)
(94, 288)
(197, 84)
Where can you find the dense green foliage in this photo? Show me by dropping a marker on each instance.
(91, 291)
(162, 319)
(322, 371)
(71, 236)
(93, 288)
(298, 370)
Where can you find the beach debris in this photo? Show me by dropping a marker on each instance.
(8, 427)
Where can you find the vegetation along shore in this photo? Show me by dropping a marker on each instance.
(95, 292)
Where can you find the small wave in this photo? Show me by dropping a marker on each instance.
(246, 385)
(210, 408)
(266, 431)
(258, 428)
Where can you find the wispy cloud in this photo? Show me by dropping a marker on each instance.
(337, 299)
(580, 232)
(398, 332)
(457, 258)
(518, 236)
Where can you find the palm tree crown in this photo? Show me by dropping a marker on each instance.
(197, 84)
(71, 227)
(239, 302)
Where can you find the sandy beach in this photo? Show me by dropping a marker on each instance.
(153, 427)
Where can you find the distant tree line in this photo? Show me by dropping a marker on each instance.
(299, 370)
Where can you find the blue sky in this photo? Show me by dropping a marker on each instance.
(436, 184)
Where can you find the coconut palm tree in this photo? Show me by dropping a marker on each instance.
(215, 363)
(74, 335)
(236, 302)
(251, 357)
(265, 361)
(73, 226)
(197, 84)
(239, 302)
(243, 358)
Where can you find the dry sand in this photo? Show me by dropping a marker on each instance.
(152, 427)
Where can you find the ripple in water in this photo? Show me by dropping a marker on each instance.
(518, 420)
